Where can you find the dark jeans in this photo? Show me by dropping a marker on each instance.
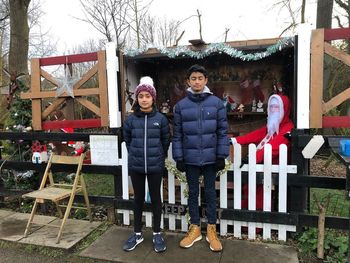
(154, 182)
(192, 175)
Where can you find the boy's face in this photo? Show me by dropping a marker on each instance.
(197, 81)
(145, 101)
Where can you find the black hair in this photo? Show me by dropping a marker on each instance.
(197, 68)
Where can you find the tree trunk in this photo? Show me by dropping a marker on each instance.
(19, 36)
(324, 14)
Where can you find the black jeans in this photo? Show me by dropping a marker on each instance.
(154, 182)
(192, 175)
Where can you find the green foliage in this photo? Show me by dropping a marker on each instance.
(335, 245)
(98, 184)
(338, 204)
(20, 110)
(19, 180)
(26, 206)
(80, 214)
(20, 117)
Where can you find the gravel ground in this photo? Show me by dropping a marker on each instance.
(318, 166)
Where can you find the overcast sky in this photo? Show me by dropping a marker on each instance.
(246, 19)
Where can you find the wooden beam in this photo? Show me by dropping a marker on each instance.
(88, 104)
(337, 54)
(122, 86)
(89, 74)
(69, 59)
(336, 100)
(35, 87)
(316, 90)
(52, 107)
(336, 33)
(52, 94)
(48, 77)
(87, 123)
(102, 82)
(336, 122)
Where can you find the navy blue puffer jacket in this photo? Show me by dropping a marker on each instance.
(147, 139)
(200, 129)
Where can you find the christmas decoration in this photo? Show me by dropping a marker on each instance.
(39, 152)
(165, 108)
(216, 48)
(260, 106)
(229, 103)
(65, 84)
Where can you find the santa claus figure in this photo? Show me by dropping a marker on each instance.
(278, 125)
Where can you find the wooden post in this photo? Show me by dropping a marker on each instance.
(35, 88)
(102, 83)
(316, 92)
(68, 109)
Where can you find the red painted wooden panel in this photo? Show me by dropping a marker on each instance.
(88, 123)
(336, 33)
(336, 122)
(78, 58)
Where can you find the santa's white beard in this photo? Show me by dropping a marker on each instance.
(273, 123)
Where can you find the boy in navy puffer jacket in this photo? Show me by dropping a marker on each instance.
(147, 138)
(200, 146)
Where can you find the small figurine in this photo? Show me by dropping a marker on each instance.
(254, 105)
(229, 102)
(165, 108)
(79, 148)
(240, 108)
(260, 106)
(39, 152)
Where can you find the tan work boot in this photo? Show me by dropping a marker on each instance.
(193, 235)
(212, 238)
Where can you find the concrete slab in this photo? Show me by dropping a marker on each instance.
(73, 232)
(12, 226)
(109, 247)
(198, 253)
(5, 213)
(247, 252)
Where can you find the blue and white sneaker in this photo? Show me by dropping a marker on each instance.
(158, 243)
(132, 242)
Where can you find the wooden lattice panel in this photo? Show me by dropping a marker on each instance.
(318, 107)
(36, 94)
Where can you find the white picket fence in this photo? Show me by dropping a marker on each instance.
(281, 170)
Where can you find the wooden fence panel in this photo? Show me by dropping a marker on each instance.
(281, 170)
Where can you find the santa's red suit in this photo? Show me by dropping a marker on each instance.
(266, 134)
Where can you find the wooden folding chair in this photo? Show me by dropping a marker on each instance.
(57, 192)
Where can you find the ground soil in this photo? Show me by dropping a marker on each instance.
(327, 166)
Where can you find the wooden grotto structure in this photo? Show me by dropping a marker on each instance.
(234, 67)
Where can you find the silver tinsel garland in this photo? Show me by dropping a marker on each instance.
(221, 48)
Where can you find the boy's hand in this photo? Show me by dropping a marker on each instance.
(181, 166)
(220, 164)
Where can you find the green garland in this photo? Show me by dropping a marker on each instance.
(224, 48)
(170, 166)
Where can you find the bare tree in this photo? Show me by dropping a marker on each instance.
(4, 14)
(138, 12)
(324, 14)
(109, 17)
(167, 32)
(296, 13)
(148, 30)
(344, 6)
(19, 36)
